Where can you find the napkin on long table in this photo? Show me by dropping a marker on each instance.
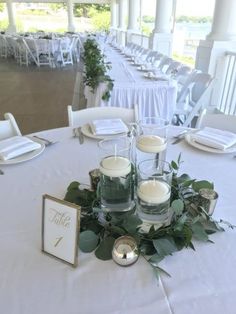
(108, 126)
(16, 146)
(215, 138)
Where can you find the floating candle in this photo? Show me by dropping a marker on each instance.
(151, 144)
(153, 191)
(115, 166)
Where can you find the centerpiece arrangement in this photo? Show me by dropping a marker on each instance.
(143, 208)
(96, 68)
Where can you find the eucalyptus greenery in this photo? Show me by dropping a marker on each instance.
(96, 68)
(190, 220)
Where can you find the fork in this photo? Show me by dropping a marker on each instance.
(178, 138)
(47, 142)
(78, 133)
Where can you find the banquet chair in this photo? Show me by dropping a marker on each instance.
(66, 46)
(8, 127)
(3, 46)
(81, 117)
(165, 63)
(182, 75)
(173, 67)
(193, 97)
(217, 120)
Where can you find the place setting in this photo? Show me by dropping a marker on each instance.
(209, 139)
(102, 128)
(18, 149)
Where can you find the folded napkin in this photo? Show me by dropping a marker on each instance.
(16, 146)
(215, 138)
(108, 126)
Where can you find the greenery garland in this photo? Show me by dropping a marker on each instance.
(96, 68)
(189, 221)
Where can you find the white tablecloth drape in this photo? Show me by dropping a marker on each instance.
(203, 281)
(131, 87)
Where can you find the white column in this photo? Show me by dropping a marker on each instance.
(163, 16)
(70, 13)
(122, 13)
(211, 51)
(122, 22)
(11, 26)
(134, 15)
(161, 38)
(224, 21)
(114, 14)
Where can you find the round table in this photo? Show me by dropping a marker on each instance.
(203, 281)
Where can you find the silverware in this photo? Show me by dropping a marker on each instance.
(78, 133)
(46, 141)
(180, 137)
(1, 172)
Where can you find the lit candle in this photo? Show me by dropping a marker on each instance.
(151, 144)
(115, 166)
(153, 191)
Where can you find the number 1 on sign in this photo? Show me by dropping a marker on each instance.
(58, 241)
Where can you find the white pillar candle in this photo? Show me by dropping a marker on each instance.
(153, 191)
(151, 143)
(115, 166)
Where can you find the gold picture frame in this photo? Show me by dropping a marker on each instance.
(60, 229)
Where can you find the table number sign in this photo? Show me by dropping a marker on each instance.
(60, 229)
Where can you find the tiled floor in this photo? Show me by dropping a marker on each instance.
(37, 97)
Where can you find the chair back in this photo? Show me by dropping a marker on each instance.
(8, 127)
(81, 117)
(202, 98)
(173, 67)
(217, 120)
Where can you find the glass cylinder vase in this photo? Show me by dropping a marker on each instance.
(116, 175)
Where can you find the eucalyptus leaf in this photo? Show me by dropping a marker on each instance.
(198, 232)
(177, 206)
(156, 259)
(184, 177)
(161, 270)
(165, 246)
(73, 185)
(174, 165)
(104, 250)
(131, 223)
(197, 185)
(147, 247)
(88, 241)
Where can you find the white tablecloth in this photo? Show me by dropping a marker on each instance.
(131, 87)
(203, 281)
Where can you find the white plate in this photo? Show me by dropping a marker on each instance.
(86, 130)
(27, 156)
(154, 77)
(195, 144)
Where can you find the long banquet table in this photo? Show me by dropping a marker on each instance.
(203, 281)
(155, 97)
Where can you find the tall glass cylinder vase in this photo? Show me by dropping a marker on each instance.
(153, 191)
(151, 142)
(116, 178)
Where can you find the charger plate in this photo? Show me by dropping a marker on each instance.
(26, 156)
(86, 130)
(209, 149)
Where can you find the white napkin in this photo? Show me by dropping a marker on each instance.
(214, 138)
(16, 146)
(108, 126)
